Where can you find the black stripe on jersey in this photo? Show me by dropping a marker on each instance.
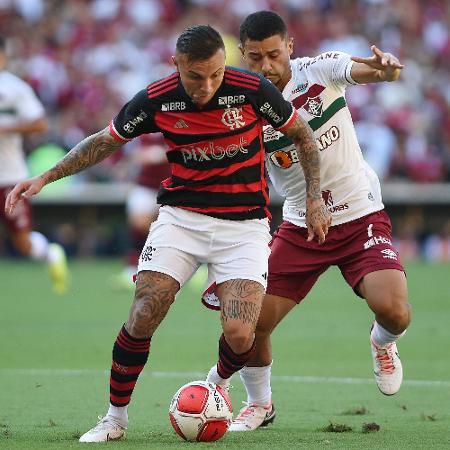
(243, 74)
(163, 80)
(205, 161)
(245, 175)
(152, 93)
(196, 199)
(258, 213)
(186, 139)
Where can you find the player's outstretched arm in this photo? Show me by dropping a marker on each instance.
(380, 66)
(318, 218)
(88, 152)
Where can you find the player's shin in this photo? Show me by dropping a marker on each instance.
(257, 384)
(129, 358)
(229, 363)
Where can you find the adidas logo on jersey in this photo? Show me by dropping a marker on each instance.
(180, 124)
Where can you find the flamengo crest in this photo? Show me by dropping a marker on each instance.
(232, 117)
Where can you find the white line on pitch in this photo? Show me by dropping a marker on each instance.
(201, 375)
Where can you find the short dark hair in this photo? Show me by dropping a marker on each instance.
(262, 25)
(199, 42)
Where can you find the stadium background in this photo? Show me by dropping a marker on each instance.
(85, 58)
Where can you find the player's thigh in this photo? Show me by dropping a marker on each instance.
(368, 250)
(294, 263)
(240, 306)
(171, 249)
(385, 291)
(239, 251)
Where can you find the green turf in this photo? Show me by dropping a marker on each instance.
(54, 353)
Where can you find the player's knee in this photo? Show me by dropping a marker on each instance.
(239, 340)
(396, 316)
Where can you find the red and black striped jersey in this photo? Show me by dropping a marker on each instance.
(216, 153)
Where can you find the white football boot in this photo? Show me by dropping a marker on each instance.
(253, 416)
(107, 429)
(387, 368)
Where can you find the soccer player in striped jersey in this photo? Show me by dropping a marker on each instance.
(21, 113)
(214, 205)
(359, 241)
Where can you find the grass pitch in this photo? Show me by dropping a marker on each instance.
(55, 353)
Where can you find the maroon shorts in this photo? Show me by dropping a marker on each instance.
(358, 247)
(20, 219)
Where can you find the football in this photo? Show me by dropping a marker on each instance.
(200, 411)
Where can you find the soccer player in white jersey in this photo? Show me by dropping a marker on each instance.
(359, 241)
(22, 113)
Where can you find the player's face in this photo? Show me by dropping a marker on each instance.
(201, 79)
(270, 57)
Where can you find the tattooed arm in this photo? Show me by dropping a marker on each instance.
(318, 218)
(87, 153)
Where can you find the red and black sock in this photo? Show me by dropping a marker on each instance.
(230, 362)
(129, 357)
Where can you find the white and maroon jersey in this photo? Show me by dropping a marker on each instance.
(350, 188)
(18, 104)
(216, 153)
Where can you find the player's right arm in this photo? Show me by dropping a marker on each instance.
(91, 150)
(87, 153)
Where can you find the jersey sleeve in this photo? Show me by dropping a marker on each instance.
(271, 106)
(137, 117)
(28, 106)
(334, 68)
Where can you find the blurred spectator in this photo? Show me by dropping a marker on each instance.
(437, 246)
(86, 57)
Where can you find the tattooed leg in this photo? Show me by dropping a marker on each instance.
(240, 302)
(155, 292)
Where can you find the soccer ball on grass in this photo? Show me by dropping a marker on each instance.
(200, 411)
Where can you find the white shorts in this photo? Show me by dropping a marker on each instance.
(180, 240)
(142, 200)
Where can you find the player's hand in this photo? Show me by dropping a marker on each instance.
(24, 189)
(386, 63)
(318, 220)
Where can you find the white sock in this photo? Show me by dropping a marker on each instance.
(257, 383)
(120, 413)
(39, 246)
(214, 377)
(381, 337)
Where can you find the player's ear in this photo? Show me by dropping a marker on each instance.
(290, 45)
(174, 61)
(241, 48)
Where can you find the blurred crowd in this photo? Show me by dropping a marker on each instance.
(86, 58)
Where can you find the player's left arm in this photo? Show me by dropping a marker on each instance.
(318, 218)
(381, 66)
